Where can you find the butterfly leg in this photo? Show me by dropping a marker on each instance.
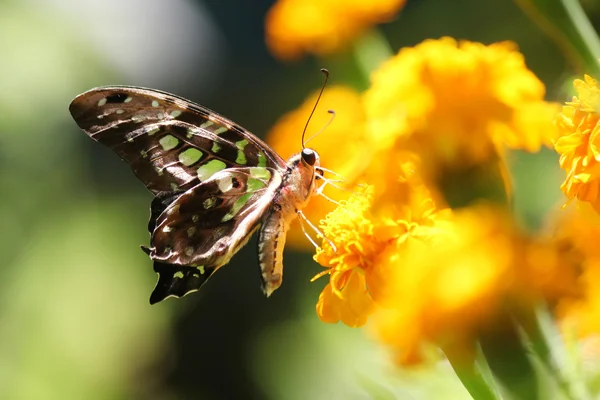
(319, 192)
(310, 239)
(318, 232)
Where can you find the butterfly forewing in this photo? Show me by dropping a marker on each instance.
(171, 144)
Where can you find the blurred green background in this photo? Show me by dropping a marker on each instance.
(75, 322)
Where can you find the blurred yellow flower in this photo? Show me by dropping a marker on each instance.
(448, 291)
(579, 143)
(577, 234)
(456, 104)
(341, 146)
(295, 27)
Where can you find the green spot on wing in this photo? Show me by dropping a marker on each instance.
(262, 160)
(200, 269)
(237, 206)
(207, 170)
(168, 142)
(241, 144)
(260, 173)
(178, 274)
(216, 147)
(241, 158)
(255, 184)
(190, 156)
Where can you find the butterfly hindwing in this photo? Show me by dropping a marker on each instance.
(158, 205)
(171, 144)
(205, 225)
(202, 228)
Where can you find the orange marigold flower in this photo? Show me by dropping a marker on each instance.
(361, 239)
(456, 104)
(346, 297)
(579, 143)
(447, 291)
(295, 27)
(340, 146)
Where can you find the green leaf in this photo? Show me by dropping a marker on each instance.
(505, 350)
(548, 345)
(566, 23)
(474, 375)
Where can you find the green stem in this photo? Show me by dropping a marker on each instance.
(505, 350)
(566, 23)
(477, 382)
(546, 344)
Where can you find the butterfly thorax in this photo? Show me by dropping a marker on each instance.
(298, 185)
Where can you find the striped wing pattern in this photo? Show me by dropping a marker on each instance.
(170, 143)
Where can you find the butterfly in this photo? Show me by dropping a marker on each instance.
(214, 183)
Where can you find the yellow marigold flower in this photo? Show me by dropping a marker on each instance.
(361, 239)
(294, 27)
(455, 104)
(445, 292)
(579, 143)
(340, 146)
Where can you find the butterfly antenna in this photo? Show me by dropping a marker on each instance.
(326, 72)
(332, 112)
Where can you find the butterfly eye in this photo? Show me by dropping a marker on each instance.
(309, 156)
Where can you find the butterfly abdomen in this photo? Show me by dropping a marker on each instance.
(271, 242)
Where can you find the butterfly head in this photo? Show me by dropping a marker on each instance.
(300, 179)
